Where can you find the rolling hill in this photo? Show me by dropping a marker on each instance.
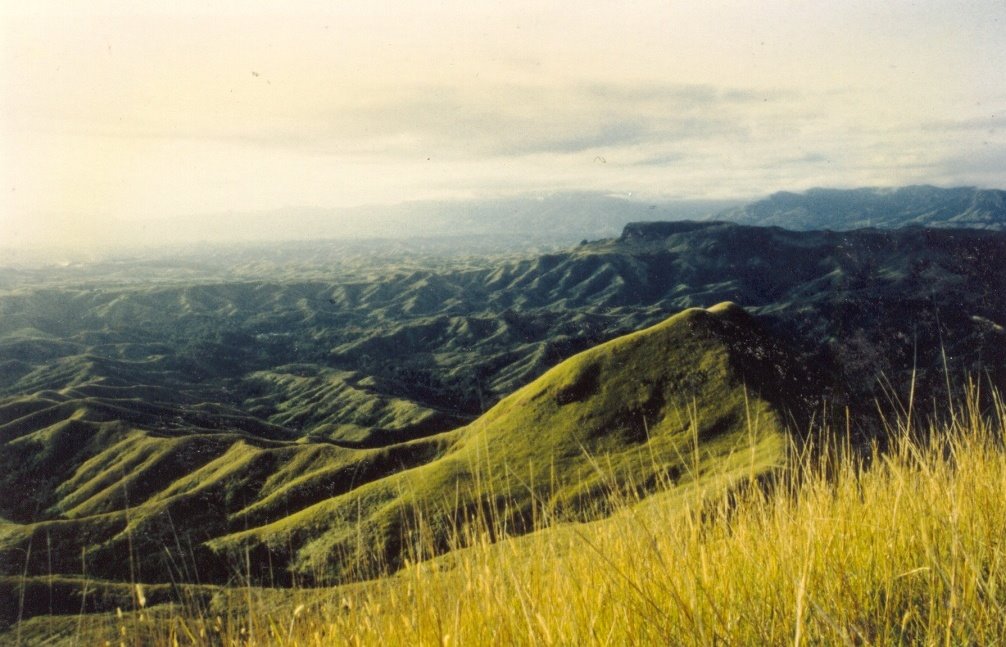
(703, 397)
(371, 359)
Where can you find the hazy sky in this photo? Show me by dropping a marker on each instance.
(133, 110)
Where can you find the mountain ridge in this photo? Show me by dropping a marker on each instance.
(846, 209)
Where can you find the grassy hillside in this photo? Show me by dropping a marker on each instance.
(903, 545)
(661, 405)
(694, 400)
(290, 433)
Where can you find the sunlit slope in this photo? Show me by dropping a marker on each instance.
(702, 394)
(676, 402)
(639, 403)
(89, 495)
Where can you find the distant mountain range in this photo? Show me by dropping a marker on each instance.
(843, 209)
(555, 218)
(533, 223)
(564, 218)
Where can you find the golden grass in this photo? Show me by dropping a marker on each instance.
(905, 544)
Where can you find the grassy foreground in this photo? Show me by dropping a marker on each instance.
(901, 545)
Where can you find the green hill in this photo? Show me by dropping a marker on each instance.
(662, 406)
(694, 399)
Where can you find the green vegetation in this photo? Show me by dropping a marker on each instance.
(841, 545)
(184, 507)
(644, 419)
(233, 444)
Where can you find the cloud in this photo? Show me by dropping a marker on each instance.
(422, 119)
(991, 124)
(160, 114)
(987, 160)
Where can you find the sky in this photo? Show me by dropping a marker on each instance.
(114, 112)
